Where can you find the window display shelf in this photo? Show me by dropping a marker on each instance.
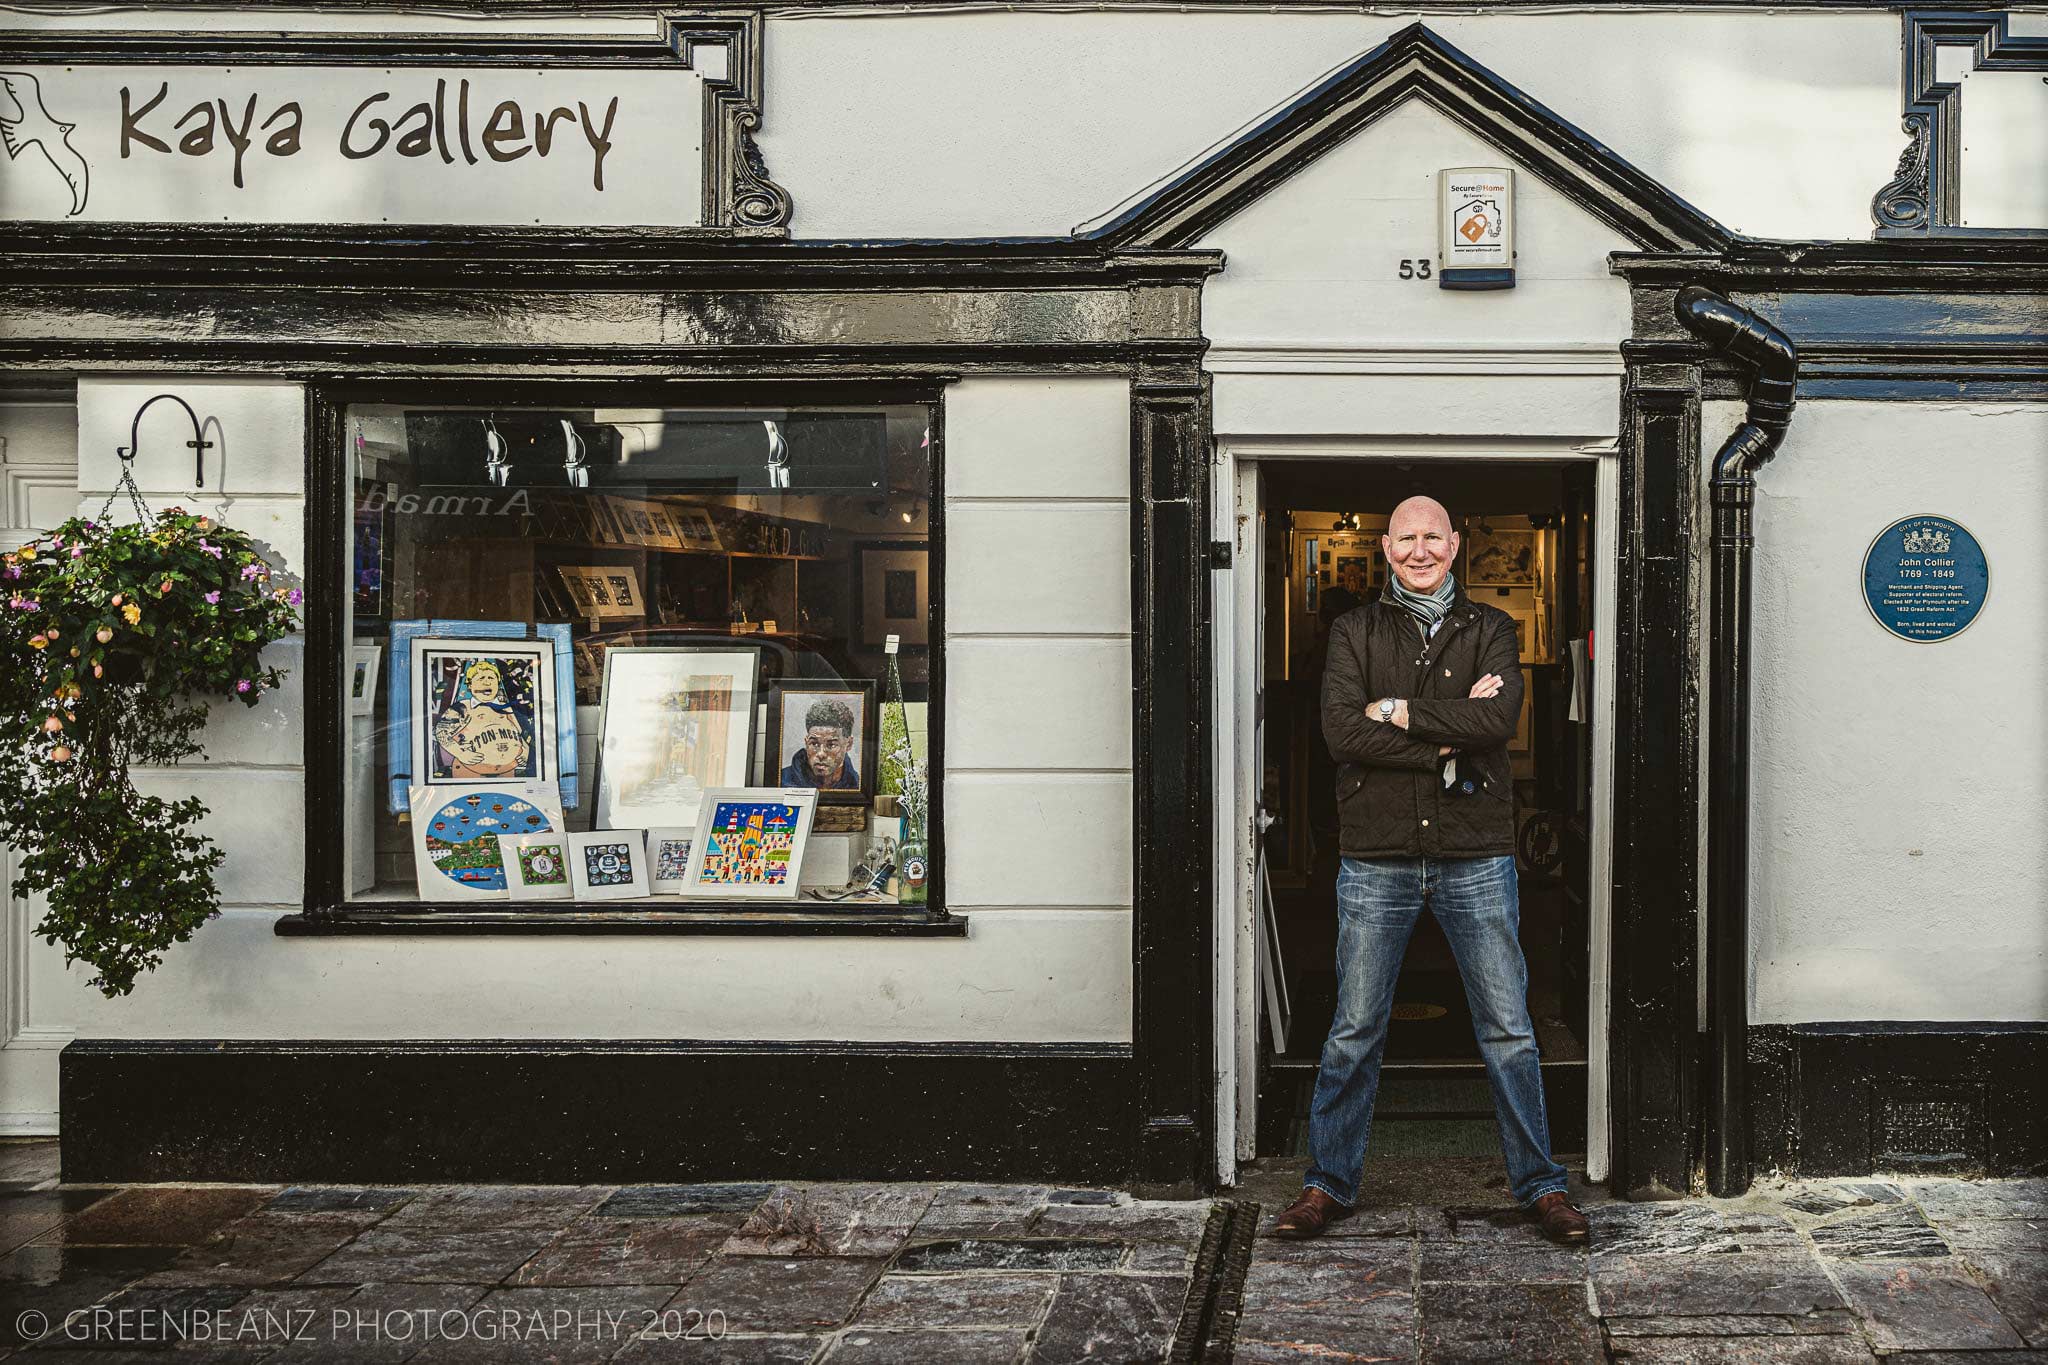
(876, 923)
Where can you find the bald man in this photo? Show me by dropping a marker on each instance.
(1420, 697)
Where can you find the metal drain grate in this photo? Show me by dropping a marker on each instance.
(1930, 1127)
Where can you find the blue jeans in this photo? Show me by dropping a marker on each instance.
(1378, 902)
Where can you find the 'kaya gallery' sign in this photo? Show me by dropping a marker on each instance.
(580, 146)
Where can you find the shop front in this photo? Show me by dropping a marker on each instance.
(795, 686)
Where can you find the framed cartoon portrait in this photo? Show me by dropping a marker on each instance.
(362, 678)
(482, 711)
(408, 721)
(750, 844)
(537, 866)
(895, 593)
(459, 838)
(825, 737)
(608, 864)
(668, 859)
(673, 723)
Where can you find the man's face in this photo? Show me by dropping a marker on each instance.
(1420, 544)
(485, 685)
(825, 750)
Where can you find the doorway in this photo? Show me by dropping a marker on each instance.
(1536, 541)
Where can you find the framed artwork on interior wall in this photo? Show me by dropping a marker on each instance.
(459, 837)
(1524, 616)
(1501, 559)
(894, 593)
(608, 864)
(826, 737)
(405, 743)
(362, 678)
(750, 844)
(673, 723)
(537, 866)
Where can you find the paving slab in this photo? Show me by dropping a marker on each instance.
(1715, 1350)
(1055, 1253)
(340, 1199)
(765, 1295)
(159, 1215)
(25, 1214)
(1686, 1229)
(1497, 1263)
(28, 1162)
(2017, 1281)
(389, 1254)
(1943, 1199)
(1896, 1230)
(371, 1323)
(610, 1251)
(1924, 1305)
(51, 1281)
(1346, 1282)
(1837, 1322)
(572, 1326)
(1781, 1283)
(670, 1201)
(1098, 1318)
(1522, 1322)
(1995, 1233)
(499, 1207)
(832, 1220)
(728, 1349)
(265, 1249)
(1162, 1258)
(978, 1346)
(145, 1318)
(980, 1211)
(1274, 1338)
(975, 1300)
(1127, 1222)
(1823, 1199)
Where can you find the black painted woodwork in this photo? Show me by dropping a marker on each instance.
(625, 1112)
(1860, 1098)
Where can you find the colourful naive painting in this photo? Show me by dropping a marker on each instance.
(485, 716)
(544, 865)
(461, 836)
(749, 844)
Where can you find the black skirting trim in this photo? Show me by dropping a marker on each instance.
(572, 1111)
(1857, 1098)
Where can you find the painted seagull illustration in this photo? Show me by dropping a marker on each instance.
(25, 122)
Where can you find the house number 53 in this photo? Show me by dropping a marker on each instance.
(1416, 269)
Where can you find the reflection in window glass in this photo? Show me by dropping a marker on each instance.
(637, 654)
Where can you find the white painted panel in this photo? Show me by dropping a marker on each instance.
(256, 816)
(1316, 262)
(2005, 150)
(1038, 438)
(272, 733)
(1901, 789)
(1417, 405)
(38, 433)
(259, 429)
(1039, 975)
(1038, 568)
(1039, 839)
(1038, 703)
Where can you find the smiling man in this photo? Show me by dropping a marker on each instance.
(1420, 697)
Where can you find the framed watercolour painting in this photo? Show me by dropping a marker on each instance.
(459, 838)
(482, 711)
(825, 736)
(750, 844)
(895, 593)
(608, 864)
(674, 722)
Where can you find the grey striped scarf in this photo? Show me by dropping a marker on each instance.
(1427, 608)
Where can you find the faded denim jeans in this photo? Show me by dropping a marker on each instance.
(1378, 902)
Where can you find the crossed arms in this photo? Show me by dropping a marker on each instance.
(1422, 730)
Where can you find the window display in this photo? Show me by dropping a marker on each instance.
(659, 633)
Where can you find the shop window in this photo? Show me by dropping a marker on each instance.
(607, 659)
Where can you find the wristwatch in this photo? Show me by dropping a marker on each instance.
(1387, 709)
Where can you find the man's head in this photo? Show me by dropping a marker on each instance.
(828, 735)
(1420, 544)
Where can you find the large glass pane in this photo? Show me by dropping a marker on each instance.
(573, 629)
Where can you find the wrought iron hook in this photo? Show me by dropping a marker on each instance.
(198, 443)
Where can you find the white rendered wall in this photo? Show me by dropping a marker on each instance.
(1038, 791)
(1898, 863)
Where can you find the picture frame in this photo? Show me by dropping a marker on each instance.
(401, 750)
(668, 858)
(1503, 559)
(894, 593)
(673, 723)
(604, 591)
(537, 866)
(362, 678)
(608, 864)
(750, 844)
(482, 711)
(458, 834)
(1527, 627)
(792, 703)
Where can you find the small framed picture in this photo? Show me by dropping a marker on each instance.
(895, 593)
(537, 866)
(825, 737)
(668, 859)
(459, 837)
(750, 844)
(362, 678)
(608, 864)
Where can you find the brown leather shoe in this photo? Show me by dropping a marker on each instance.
(1559, 1220)
(1309, 1215)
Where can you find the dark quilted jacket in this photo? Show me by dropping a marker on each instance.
(1390, 796)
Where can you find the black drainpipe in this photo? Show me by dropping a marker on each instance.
(1744, 337)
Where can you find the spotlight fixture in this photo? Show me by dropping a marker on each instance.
(1348, 522)
(576, 457)
(497, 463)
(778, 456)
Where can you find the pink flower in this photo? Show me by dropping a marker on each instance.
(212, 599)
(213, 550)
(77, 550)
(295, 597)
(243, 685)
(250, 571)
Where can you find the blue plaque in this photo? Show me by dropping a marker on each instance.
(1925, 578)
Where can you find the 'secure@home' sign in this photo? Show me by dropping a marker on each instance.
(574, 146)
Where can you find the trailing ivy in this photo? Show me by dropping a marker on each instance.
(113, 640)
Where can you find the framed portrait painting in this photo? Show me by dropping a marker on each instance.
(895, 593)
(483, 711)
(410, 703)
(825, 737)
(674, 723)
(750, 844)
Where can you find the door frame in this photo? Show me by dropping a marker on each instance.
(1237, 516)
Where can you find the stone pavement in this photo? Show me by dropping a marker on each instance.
(1825, 1271)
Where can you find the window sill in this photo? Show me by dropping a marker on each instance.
(783, 923)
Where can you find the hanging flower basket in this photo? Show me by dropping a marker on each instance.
(115, 638)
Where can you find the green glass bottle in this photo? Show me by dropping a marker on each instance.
(913, 855)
